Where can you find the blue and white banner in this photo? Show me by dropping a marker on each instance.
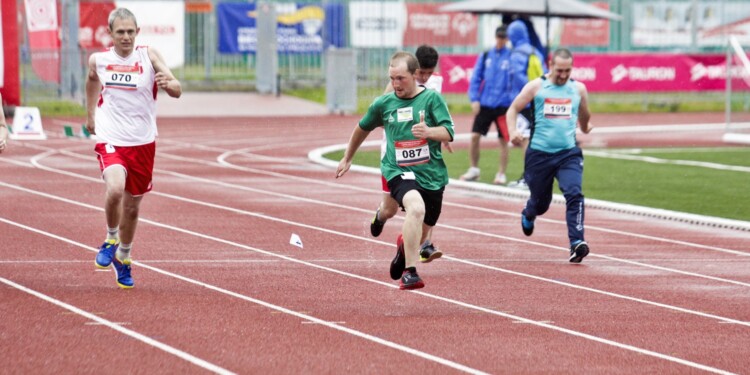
(300, 27)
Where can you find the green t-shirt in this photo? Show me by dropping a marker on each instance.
(404, 153)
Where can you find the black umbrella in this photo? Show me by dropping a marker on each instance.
(545, 8)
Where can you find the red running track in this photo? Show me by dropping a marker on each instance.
(220, 289)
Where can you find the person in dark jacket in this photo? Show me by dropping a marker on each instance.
(490, 98)
(526, 64)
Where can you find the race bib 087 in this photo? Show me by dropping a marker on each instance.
(412, 152)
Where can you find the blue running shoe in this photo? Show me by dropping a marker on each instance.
(122, 271)
(527, 225)
(106, 253)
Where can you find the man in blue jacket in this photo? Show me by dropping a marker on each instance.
(526, 64)
(490, 98)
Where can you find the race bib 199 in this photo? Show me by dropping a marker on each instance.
(558, 108)
(412, 152)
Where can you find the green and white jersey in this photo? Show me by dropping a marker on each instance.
(404, 153)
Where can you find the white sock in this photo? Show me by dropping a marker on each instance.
(113, 233)
(123, 252)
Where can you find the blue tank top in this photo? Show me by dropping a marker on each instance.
(556, 111)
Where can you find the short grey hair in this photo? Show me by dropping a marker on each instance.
(121, 13)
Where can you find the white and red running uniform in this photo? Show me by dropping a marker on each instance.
(125, 118)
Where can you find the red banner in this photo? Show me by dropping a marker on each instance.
(456, 70)
(586, 31)
(11, 86)
(92, 32)
(44, 41)
(425, 22)
(622, 72)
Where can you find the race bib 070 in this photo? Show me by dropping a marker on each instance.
(122, 77)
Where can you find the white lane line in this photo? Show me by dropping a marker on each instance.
(118, 327)
(312, 319)
(654, 160)
(721, 319)
(428, 295)
(239, 211)
(481, 233)
(368, 211)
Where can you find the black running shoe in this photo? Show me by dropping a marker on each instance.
(398, 264)
(410, 280)
(429, 253)
(578, 252)
(527, 225)
(376, 226)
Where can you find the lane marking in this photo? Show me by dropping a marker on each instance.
(654, 160)
(117, 327)
(369, 211)
(310, 318)
(428, 295)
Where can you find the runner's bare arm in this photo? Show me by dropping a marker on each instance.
(164, 78)
(584, 115)
(519, 103)
(93, 88)
(358, 136)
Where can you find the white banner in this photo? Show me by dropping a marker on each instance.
(162, 26)
(668, 24)
(377, 24)
(41, 15)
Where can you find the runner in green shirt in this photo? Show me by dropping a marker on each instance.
(416, 121)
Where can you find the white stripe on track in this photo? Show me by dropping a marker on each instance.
(112, 325)
(428, 295)
(310, 318)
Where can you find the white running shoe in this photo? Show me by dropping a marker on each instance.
(520, 184)
(471, 175)
(500, 179)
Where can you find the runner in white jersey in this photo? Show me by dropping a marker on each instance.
(427, 77)
(121, 90)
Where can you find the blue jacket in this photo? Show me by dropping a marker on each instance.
(489, 82)
(519, 56)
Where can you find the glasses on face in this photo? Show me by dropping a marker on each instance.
(501, 36)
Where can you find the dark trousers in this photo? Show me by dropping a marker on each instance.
(541, 170)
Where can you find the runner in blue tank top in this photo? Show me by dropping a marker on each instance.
(559, 104)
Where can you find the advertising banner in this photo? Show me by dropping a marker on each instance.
(92, 29)
(586, 31)
(299, 28)
(10, 87)
(44, 41)
(377, 24)
(456, 71)
(670, 24)
(2, 51)
(425, 21)
(621, 72)
(162, 26)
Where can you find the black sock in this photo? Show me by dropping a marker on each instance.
(412, 269)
